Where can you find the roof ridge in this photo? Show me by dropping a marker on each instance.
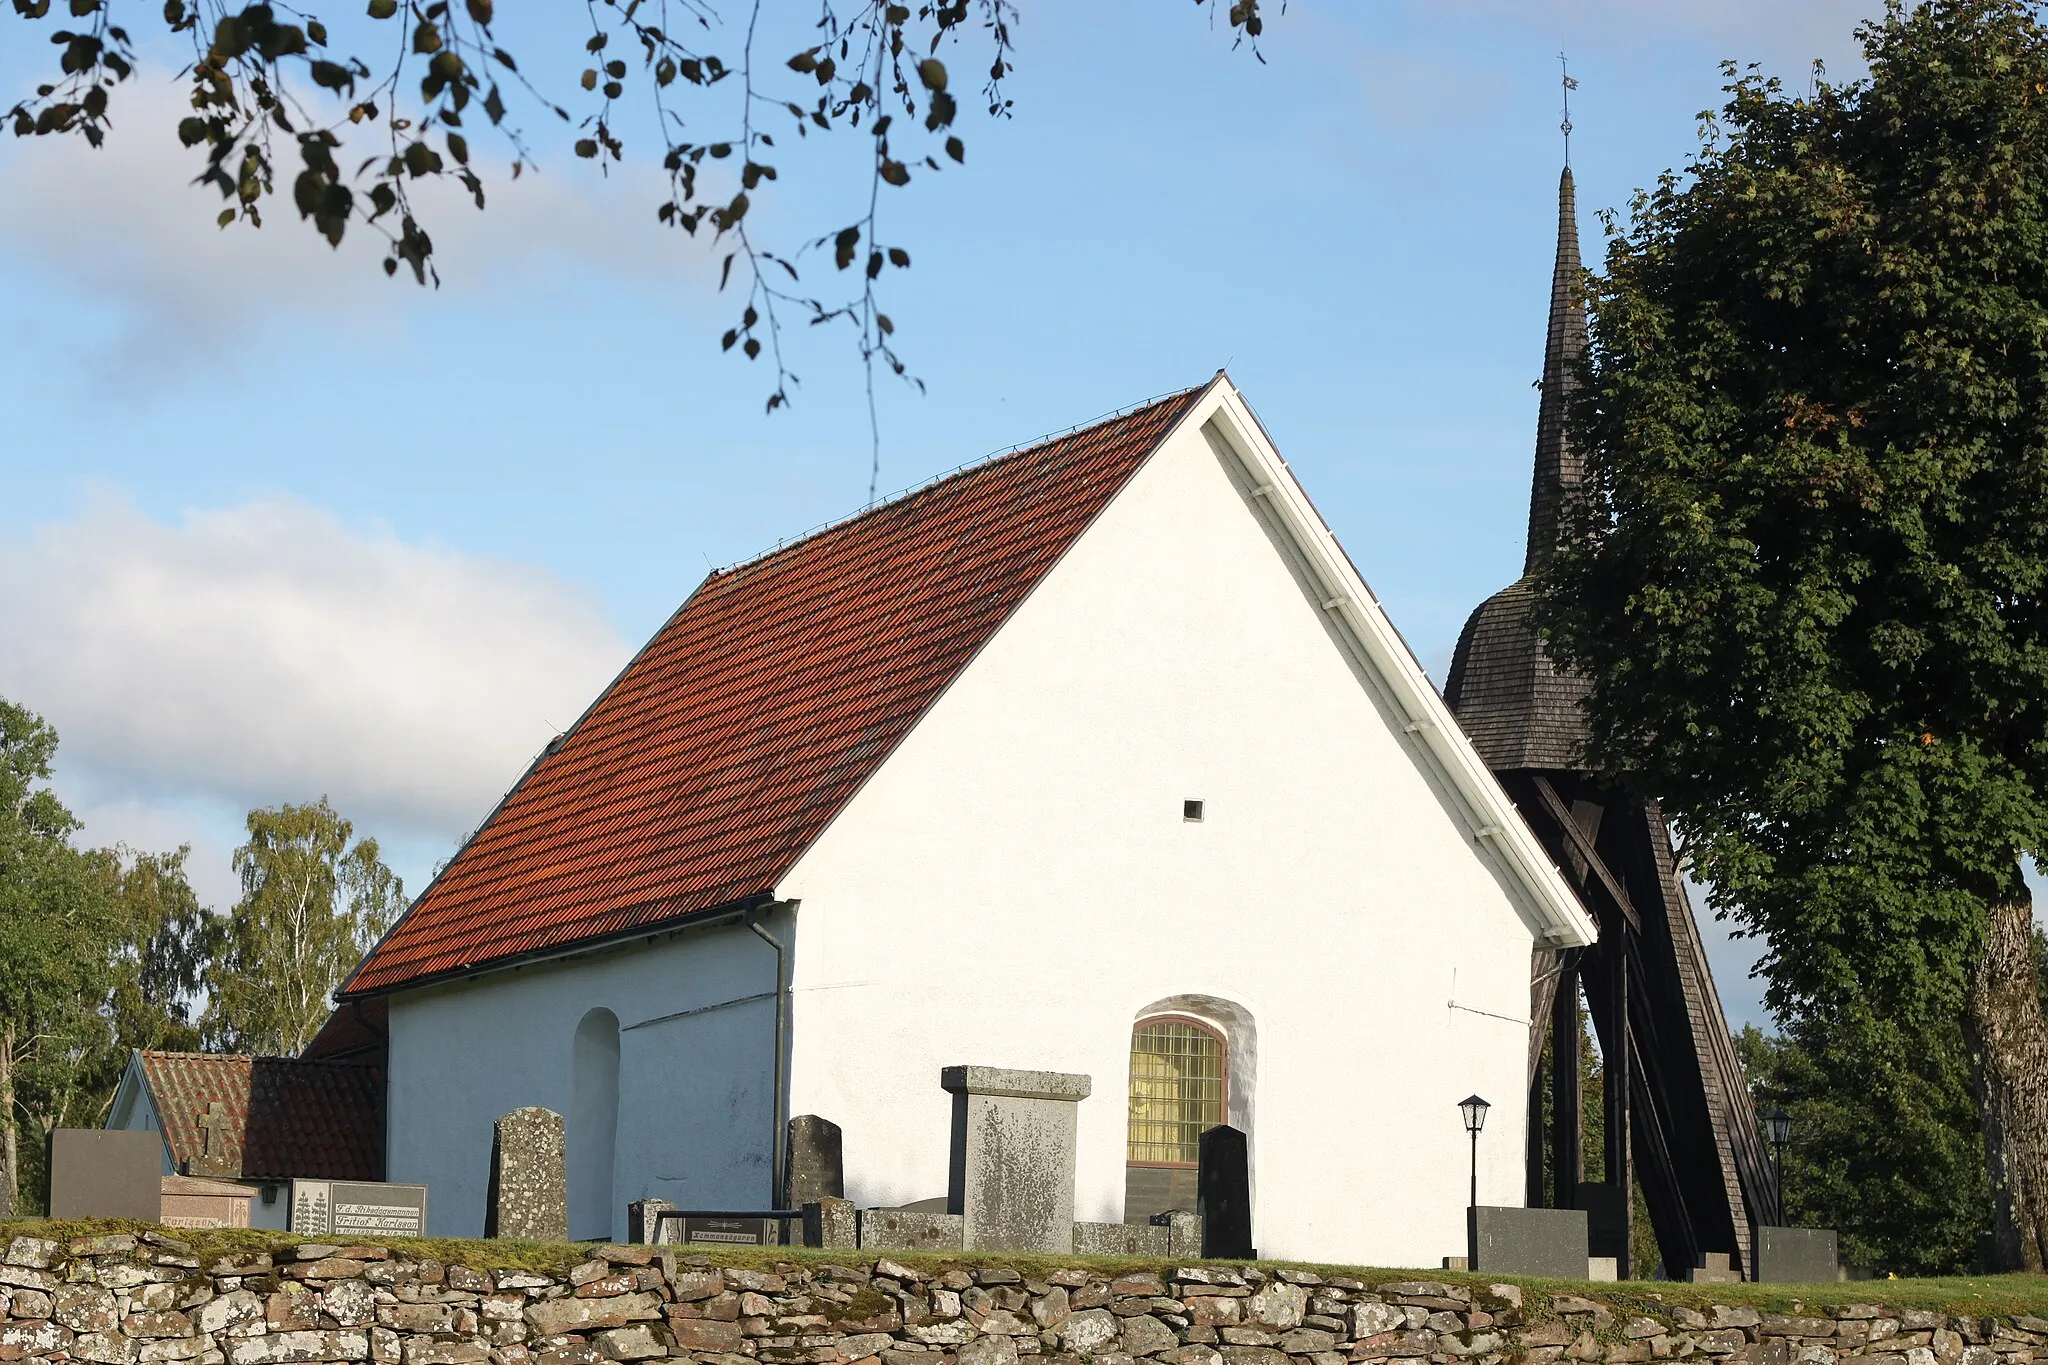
(248, 1057)
(967, 467)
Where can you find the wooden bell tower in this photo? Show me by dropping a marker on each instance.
(1679, 1119)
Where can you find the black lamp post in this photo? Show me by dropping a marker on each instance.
(1778, 1126)
(1474, 1109)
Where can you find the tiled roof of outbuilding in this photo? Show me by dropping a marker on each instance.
(283, 1117)
(702, 774)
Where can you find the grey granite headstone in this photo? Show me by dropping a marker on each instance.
(831, 1223)
(1122, 1239)
(1715, 1268)
(1012, 1174)
(908, 1230)
(1516, 1241)
(104, 1173)
(1184, 1231)
(642, 1225)
(1225, 1181)
(529, 1194)
(813, 1168)
(1797, 1256)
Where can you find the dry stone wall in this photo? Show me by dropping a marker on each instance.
(149, 1300)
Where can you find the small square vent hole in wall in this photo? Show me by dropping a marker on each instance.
(1191, 811)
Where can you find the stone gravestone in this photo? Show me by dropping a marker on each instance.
(1224, 1184)
(529, 1195)
(831, 1222)
(1012, 1171)
(1797, 1256)
(1715, 1268)
(358, 1210)
(644, 1223)
(812, 1168)
(104, 1173)
(1517, 1241)
(191, 1201)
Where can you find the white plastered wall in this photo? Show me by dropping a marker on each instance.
(1017, 883)
(696, 1046)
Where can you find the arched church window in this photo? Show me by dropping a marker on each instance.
(1178, 1068)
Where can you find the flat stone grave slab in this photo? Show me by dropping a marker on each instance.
(1513, 1241)
(105, 1173)
(1797, 1256)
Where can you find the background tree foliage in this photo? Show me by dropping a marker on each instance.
(106, 950)
(1807, 585)
(312, 904)
(1885, 1145)
(272, 101)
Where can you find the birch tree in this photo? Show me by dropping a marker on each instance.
(313, 901)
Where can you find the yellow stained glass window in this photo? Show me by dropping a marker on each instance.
(1176, 1090)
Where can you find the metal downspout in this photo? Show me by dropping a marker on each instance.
(781, 1120)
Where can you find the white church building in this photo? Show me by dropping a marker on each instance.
(1098, 757)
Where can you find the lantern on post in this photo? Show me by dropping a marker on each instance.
(1778, 1127)
(1474, 1109)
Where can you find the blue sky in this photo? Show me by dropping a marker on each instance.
(272, 525)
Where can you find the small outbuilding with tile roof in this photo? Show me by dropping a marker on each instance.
(1097, 757)
(258, 1121)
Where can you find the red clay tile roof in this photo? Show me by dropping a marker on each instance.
(284, 1117)
(700, 777)
(356, 1032)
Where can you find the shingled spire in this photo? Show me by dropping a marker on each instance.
(1514, 705)
(1559, 468)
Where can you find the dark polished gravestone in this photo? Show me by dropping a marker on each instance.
(1516, 1241)
(529, 1193)
(1797, 1256)
(1607, 1218)
(813, 1168)
(104, 1173)
(714, 1229)
(1224, 1199)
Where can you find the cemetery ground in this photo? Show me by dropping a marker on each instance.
(1629, 1302)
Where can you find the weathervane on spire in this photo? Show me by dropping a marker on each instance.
(1564, 72)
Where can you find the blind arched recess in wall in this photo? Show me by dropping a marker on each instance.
(593, 1125)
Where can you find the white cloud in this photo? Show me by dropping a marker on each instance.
(267, 652)
(126, 227)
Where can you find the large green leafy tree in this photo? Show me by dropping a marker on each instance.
(1807, 582)
(314, 899)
